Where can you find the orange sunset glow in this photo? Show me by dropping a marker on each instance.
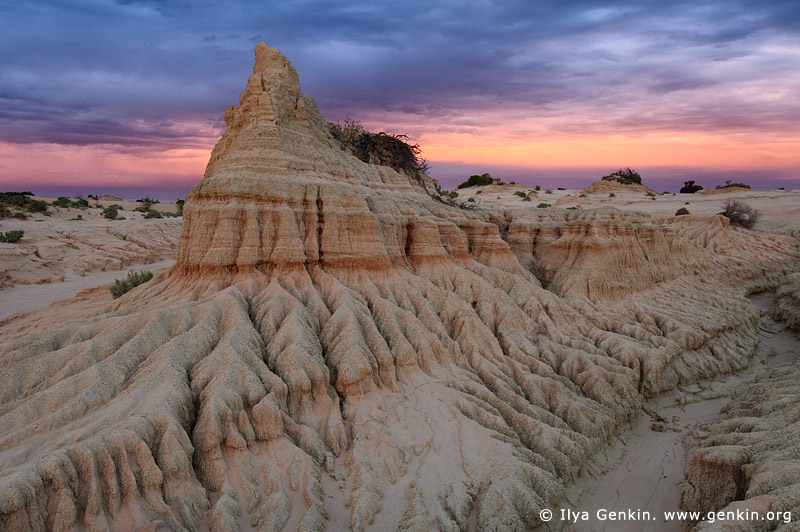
(124, 98)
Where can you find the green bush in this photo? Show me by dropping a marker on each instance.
(543, 205)
(477, 181)
(537, 188)
(471, 200)
(152, 214)
(66, 203)
(133, 280)
(12, 236)
(612, 195)
(22, 203)
(521, 194)
(526, 198)
(62, 202)
(111, 212)
(181, 202)
(650, 194)
(681, 211)
(548, 191)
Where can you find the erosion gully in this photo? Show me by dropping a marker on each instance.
(643, 468)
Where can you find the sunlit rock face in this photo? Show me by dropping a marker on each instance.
(334, 349)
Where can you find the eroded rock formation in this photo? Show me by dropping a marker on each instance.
(50, 250)
(787, 301)
(749, 461)
(334, 349)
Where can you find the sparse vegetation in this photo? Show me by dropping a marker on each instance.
(146, 202)
(478, 192)
(382, 149)
(650, 194)
(612, 195)
(66, 203)
(537, 188)
(526, 198)
(740, 213)
(11, 237)
(548, 191)
(472, 200)
(134, 279)
(728, 184)
(521, 194)
(543, 206)
(152, 214)
(17, 204)
(682, 211)
(626, 176)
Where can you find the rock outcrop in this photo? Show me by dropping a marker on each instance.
(335, 349)
(787, 301)
(605, 186)
(749, 461)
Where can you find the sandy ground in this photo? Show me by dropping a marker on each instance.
(776, 206)
(26, 298)
(643, 469)
(56, 246)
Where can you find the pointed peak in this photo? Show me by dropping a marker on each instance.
(270, 59)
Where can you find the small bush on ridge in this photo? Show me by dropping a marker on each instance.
(12, 236)
(740, 213)
(133, 280)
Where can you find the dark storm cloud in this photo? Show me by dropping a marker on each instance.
(130, 72)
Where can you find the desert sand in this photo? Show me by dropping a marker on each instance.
(336, 349)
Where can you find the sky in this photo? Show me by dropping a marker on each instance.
(127, 96)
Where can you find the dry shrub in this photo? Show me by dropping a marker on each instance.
(740, 213)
